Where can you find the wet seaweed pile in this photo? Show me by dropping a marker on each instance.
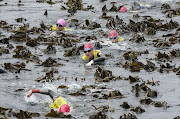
(140, 81)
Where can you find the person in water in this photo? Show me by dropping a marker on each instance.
(91, 55)
(60, 26)
(113, 37)
(58, 101)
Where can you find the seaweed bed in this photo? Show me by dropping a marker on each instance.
(139, 79)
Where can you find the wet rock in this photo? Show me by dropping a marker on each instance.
(125, 105)
(72, 52)
(56, 114)
(138, 110)
(50, 49)
(128, 116)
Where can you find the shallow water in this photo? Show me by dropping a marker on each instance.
(168, 90)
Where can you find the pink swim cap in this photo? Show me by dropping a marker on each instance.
(64, 108)
(62, 22)
(113, 33)
(123, 9)
(88, 46)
